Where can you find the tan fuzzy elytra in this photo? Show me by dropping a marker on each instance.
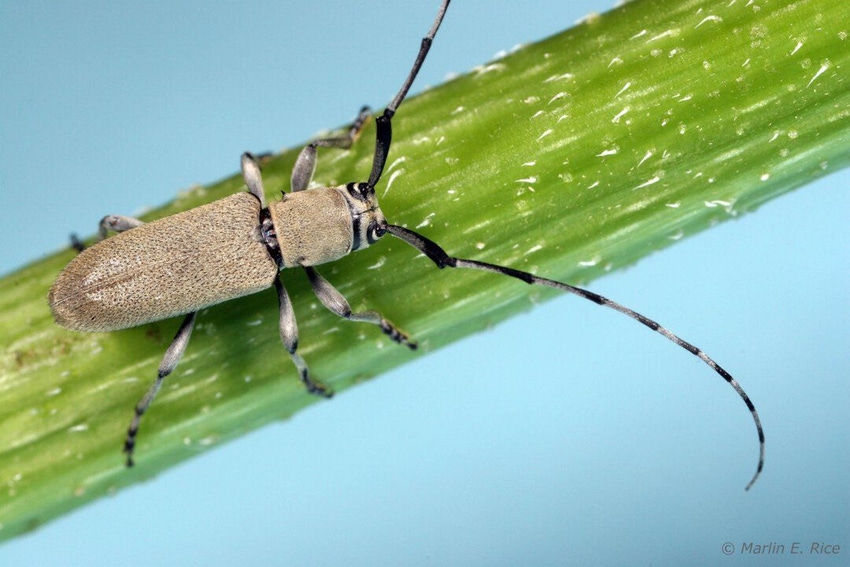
(171, 266)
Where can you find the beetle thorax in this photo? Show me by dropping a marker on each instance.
(323, 224)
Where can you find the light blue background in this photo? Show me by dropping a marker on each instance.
(567, 436)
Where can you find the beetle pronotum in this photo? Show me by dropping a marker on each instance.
(237, 246)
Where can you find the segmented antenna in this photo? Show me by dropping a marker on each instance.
(443, 260)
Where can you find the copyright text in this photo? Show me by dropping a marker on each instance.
(775, 548)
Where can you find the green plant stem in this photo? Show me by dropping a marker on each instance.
(569, 158)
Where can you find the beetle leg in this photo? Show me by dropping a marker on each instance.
(304, 168)
(353, 134)
(289, 337)
(117, 223)
(305, 165)
(76, 243)
(253, 178)
(169, 362)
(338, 305)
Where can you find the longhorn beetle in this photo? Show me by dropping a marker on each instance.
(237, 246)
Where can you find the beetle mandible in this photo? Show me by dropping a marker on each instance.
(238, 245)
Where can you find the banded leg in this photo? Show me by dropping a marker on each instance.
(253, 178)
(338, 305)
(305, 165)
(169, 363)
(289, 337)
(76, 243)
(117, 223)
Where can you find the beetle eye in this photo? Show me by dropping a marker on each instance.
(359, 191)
(375, 232)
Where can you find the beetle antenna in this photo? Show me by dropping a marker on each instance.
(439, 256)
(384, 133)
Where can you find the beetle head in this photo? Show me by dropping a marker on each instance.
(368, 222)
